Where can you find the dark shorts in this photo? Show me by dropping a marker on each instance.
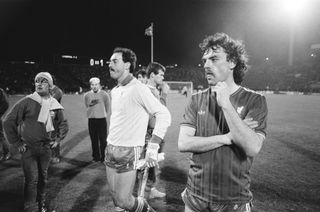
(198, 205)
(121, 158)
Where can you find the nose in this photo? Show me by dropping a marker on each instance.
(206, 64)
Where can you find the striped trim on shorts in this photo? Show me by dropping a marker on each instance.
(122, 158)
(198, 205)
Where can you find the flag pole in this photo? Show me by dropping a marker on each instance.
(152, 43)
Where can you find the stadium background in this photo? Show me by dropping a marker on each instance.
(35, 35)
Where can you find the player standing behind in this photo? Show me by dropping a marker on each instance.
(97, 102)
(224, 127)
(131, 104)
(155, 73)
(142, 76)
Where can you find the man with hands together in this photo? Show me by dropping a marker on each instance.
(224, 127)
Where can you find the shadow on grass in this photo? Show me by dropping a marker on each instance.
(272, 191)
(68, 145)
(173, 174)
(298, 149)
(86, 201)
(175, 180)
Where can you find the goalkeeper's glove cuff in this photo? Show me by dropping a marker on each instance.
(152, 151)
(155, 139)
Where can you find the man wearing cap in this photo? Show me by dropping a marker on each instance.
(97, 102)
(34, 125)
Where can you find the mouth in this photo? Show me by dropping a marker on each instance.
(210, 76)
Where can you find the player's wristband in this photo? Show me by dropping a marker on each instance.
(152, 151)
(155, 139)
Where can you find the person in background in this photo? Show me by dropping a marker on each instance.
(4, 146)
(56, 93)
(224, 128)
(142, 76)
(33, 126)
(155, 74)
(97, 102)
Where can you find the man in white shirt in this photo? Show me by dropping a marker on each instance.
(132, 103)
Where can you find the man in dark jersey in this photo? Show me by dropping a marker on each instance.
(224, 128)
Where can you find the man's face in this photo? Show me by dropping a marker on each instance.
(158, 78)
(42, 86)
(142, 79)
(95, 86)
(217, 68)
(117, 67)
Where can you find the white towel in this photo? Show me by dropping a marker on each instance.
(47, 105)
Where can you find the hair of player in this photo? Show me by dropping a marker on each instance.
(141, 72)
(234, 49)
(154, 67)
(127, 56)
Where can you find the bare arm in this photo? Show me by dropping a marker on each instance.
(188, 142)
(242, 135)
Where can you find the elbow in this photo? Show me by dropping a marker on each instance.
(253, 150)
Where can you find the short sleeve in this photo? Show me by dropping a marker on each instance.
(259, 111)
(190, 114)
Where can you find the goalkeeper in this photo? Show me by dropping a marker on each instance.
(131, 104)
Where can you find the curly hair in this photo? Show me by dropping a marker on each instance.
(233, 48)
(127, 56)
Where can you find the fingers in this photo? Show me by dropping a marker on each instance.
(251, 123)
(22, 148)
(152, 163)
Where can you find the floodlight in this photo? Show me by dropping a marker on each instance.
(294, 8)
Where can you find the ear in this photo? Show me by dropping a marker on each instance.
(232, 65)
(152, 75)
(127, 65)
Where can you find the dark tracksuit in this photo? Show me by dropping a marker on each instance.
(21, 126)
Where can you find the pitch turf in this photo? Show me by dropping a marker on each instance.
(285, 174)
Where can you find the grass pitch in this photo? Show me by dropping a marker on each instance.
(285, 174)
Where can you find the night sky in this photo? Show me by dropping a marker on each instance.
(31, 29)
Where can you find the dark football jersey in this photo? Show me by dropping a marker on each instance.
(222, 174)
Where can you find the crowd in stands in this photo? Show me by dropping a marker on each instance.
(73, 78)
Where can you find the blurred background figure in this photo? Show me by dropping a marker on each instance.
(97, 102)
(4, 146)
(56, 93)
(142, 76)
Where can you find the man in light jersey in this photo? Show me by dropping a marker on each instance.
(224, 128)
(97, 103)
(131, 104)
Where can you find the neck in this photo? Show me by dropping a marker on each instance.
(151, 83)
(232, 87)
(123, 76)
